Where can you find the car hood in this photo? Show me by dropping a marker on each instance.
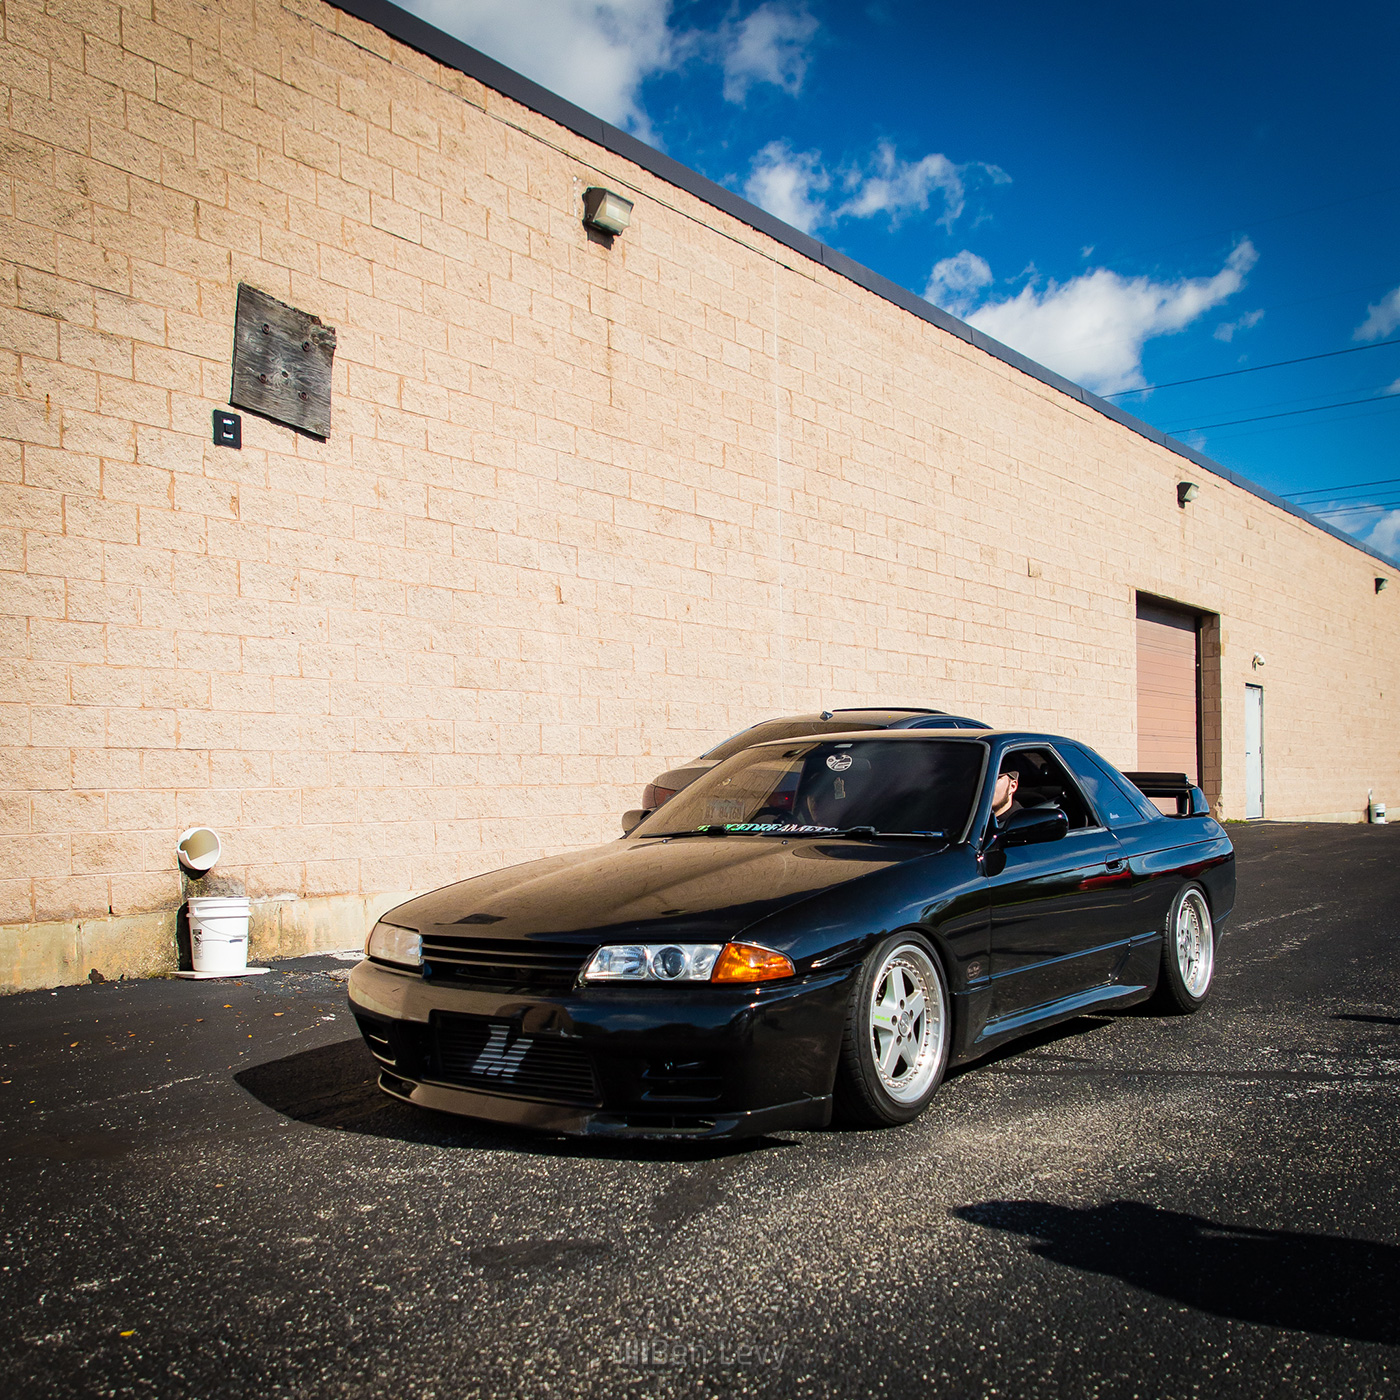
(700, 889)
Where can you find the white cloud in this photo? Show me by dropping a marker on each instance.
(1226, 329)
(1381, 319)
(772, 44)
(596, 53)
(1376, 525)
(889, 185)
(1092, 328)
(954, 282)
(1384, 535)
(786, 183)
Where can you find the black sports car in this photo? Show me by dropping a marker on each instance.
(818, 924)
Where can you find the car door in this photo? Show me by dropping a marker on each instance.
(1058, 910)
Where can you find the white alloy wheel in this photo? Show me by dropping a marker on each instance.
(908, 1023)
(1195, 943)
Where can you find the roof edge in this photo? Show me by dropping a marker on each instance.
(426, 39)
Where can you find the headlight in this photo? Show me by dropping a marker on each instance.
(686, 962)
(653, 962)
(391, 944)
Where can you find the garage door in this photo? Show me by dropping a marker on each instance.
(1168, 686)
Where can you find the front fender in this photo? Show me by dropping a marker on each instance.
(942, 896)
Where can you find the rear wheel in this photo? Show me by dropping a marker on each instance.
(1188, 955)
(895, 1046)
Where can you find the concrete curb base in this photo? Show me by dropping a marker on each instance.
(65, 952)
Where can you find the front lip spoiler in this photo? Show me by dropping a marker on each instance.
(600, 1123)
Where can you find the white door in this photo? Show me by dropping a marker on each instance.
(1254, 751)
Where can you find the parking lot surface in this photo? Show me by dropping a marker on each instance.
(204, 1194)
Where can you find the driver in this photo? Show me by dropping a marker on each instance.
(1004, 801)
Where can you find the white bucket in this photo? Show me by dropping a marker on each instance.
(219, 933)
(1378, 813)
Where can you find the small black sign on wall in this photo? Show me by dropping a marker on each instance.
(282, 363)
(228, 429)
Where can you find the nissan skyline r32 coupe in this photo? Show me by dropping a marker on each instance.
(816, 926)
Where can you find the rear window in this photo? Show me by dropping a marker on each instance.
(783, 729)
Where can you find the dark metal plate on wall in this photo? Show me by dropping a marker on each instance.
(282, 362)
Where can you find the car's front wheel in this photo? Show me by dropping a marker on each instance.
(1188, 954)
(895, 1046)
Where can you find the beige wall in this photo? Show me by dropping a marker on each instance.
(582, 512)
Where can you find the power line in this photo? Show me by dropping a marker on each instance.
(1331, 491)
(1289, 427)
(1361, 503)
(1253, 369)
(1347, 508)
(1291, 413)
(1357, 510)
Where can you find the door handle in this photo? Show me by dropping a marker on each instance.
(1114, 866)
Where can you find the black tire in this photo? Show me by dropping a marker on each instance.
(866, 1095)
(1181, 991)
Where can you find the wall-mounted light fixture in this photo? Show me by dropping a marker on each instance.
(1382, 584)
(1258, 660)
(606, 211)
(1186, 491)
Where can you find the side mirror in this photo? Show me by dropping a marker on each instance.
(633, 819)
(1032, 825)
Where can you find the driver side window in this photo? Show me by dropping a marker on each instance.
(1045, 783)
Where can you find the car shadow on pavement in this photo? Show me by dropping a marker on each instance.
(336, 1087)
(1326, 1284)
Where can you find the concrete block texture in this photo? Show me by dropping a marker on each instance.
(584, 510)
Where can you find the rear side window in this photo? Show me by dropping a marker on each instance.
(1119, 801)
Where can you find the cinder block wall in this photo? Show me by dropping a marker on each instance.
(583, 511)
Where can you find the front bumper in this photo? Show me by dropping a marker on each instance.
(616, 1061)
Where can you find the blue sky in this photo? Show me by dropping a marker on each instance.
(1130, 194)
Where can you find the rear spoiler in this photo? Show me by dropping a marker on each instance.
(1190, 800)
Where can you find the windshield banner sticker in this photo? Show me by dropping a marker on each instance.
(767, 828)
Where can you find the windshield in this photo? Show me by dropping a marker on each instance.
(782, 729)
(821, 786)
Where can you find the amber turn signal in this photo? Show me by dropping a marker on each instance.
(747, 962)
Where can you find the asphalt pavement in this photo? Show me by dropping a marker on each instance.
(203, 1194)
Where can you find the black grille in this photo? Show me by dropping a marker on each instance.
(503, 964)
(482, 1054)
